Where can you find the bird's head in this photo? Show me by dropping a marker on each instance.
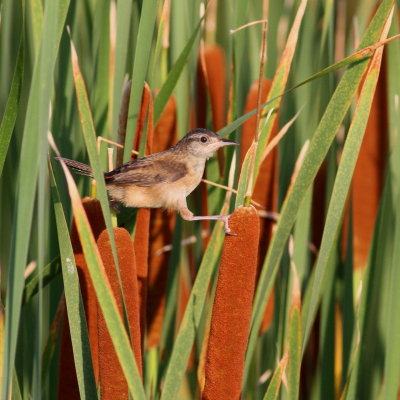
(203, 143)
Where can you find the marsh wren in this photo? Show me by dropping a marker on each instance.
(165, 179)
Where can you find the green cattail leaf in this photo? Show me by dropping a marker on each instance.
(342, 183)
(294, 362)
(316, 153)
(11, 110)
(142, 55)
(46, 275)
(392, 359)
(124, 10)
(379, 296)
(73, 298)
(32, 148)
(169, 85)
(272, 392)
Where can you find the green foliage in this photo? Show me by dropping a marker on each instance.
(346, 316)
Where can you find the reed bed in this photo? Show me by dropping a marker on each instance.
(301, 301)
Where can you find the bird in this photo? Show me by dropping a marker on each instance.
(164, 179)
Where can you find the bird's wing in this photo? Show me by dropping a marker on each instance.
(146, 171)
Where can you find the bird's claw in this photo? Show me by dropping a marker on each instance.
(114, 204)
(227, 229)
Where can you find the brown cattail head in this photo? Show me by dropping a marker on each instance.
(232, 308)
(112, 381)
(211, 79)
(95, 216)
(165, 129)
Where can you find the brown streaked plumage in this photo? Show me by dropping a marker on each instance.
(165, 179)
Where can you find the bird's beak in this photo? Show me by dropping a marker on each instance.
(227, 142)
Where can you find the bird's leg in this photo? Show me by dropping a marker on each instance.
(114, 204)
(224, 218)
(187, 215)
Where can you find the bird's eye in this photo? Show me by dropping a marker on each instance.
(204, 139)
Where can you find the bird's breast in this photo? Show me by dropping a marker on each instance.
(192, 179)
(163, 195)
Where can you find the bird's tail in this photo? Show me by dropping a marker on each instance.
(76, 166)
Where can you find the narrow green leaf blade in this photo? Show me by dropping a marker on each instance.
(272, 392)
(392, 359)
(124, 10)
(11, 110)
(142, 55)
(294, 337)
(169, 85)
(48, 273)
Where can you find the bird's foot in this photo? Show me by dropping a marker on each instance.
(114, 204)
(188, 216)
(227, 229)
